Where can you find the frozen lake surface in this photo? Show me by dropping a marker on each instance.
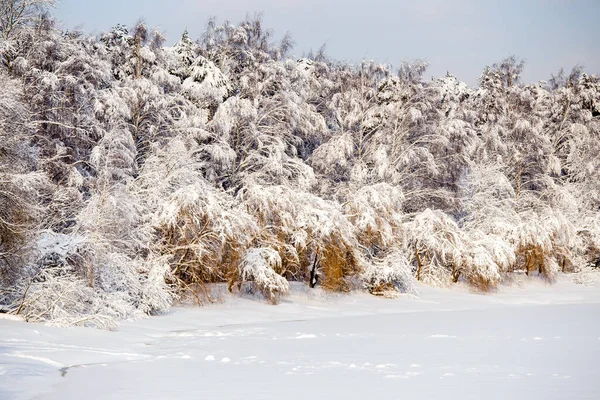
(527, 341)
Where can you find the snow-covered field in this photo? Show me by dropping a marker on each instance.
(528, 341)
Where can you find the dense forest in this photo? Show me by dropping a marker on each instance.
(134, 175)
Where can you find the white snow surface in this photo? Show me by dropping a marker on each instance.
(529, 341)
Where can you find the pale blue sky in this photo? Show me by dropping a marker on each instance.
(460, 36)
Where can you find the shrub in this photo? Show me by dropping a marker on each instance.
(260, 266)
(393, 272)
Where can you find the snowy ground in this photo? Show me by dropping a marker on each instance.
(528, 341)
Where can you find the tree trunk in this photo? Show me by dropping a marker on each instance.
(419, 264)
(314, 277)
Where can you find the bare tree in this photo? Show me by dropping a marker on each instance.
(510, 70)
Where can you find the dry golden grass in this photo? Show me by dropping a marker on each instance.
(198, 256)
(480, 283)
(17, 219)
(337, 262)
(383, 289)
(532, 258)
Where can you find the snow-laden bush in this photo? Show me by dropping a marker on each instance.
(479, 269)
(259, 266)
(488, 200)
(64, 299)
(589, 235)
(543, 242)
(391, 273)
(442, 252)
(436, 245)
(302, 226)
(135, 282)
(486, 257)
(204, 233)
(57, 293)
(198, 230)
(71, 281)
(376, 213)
